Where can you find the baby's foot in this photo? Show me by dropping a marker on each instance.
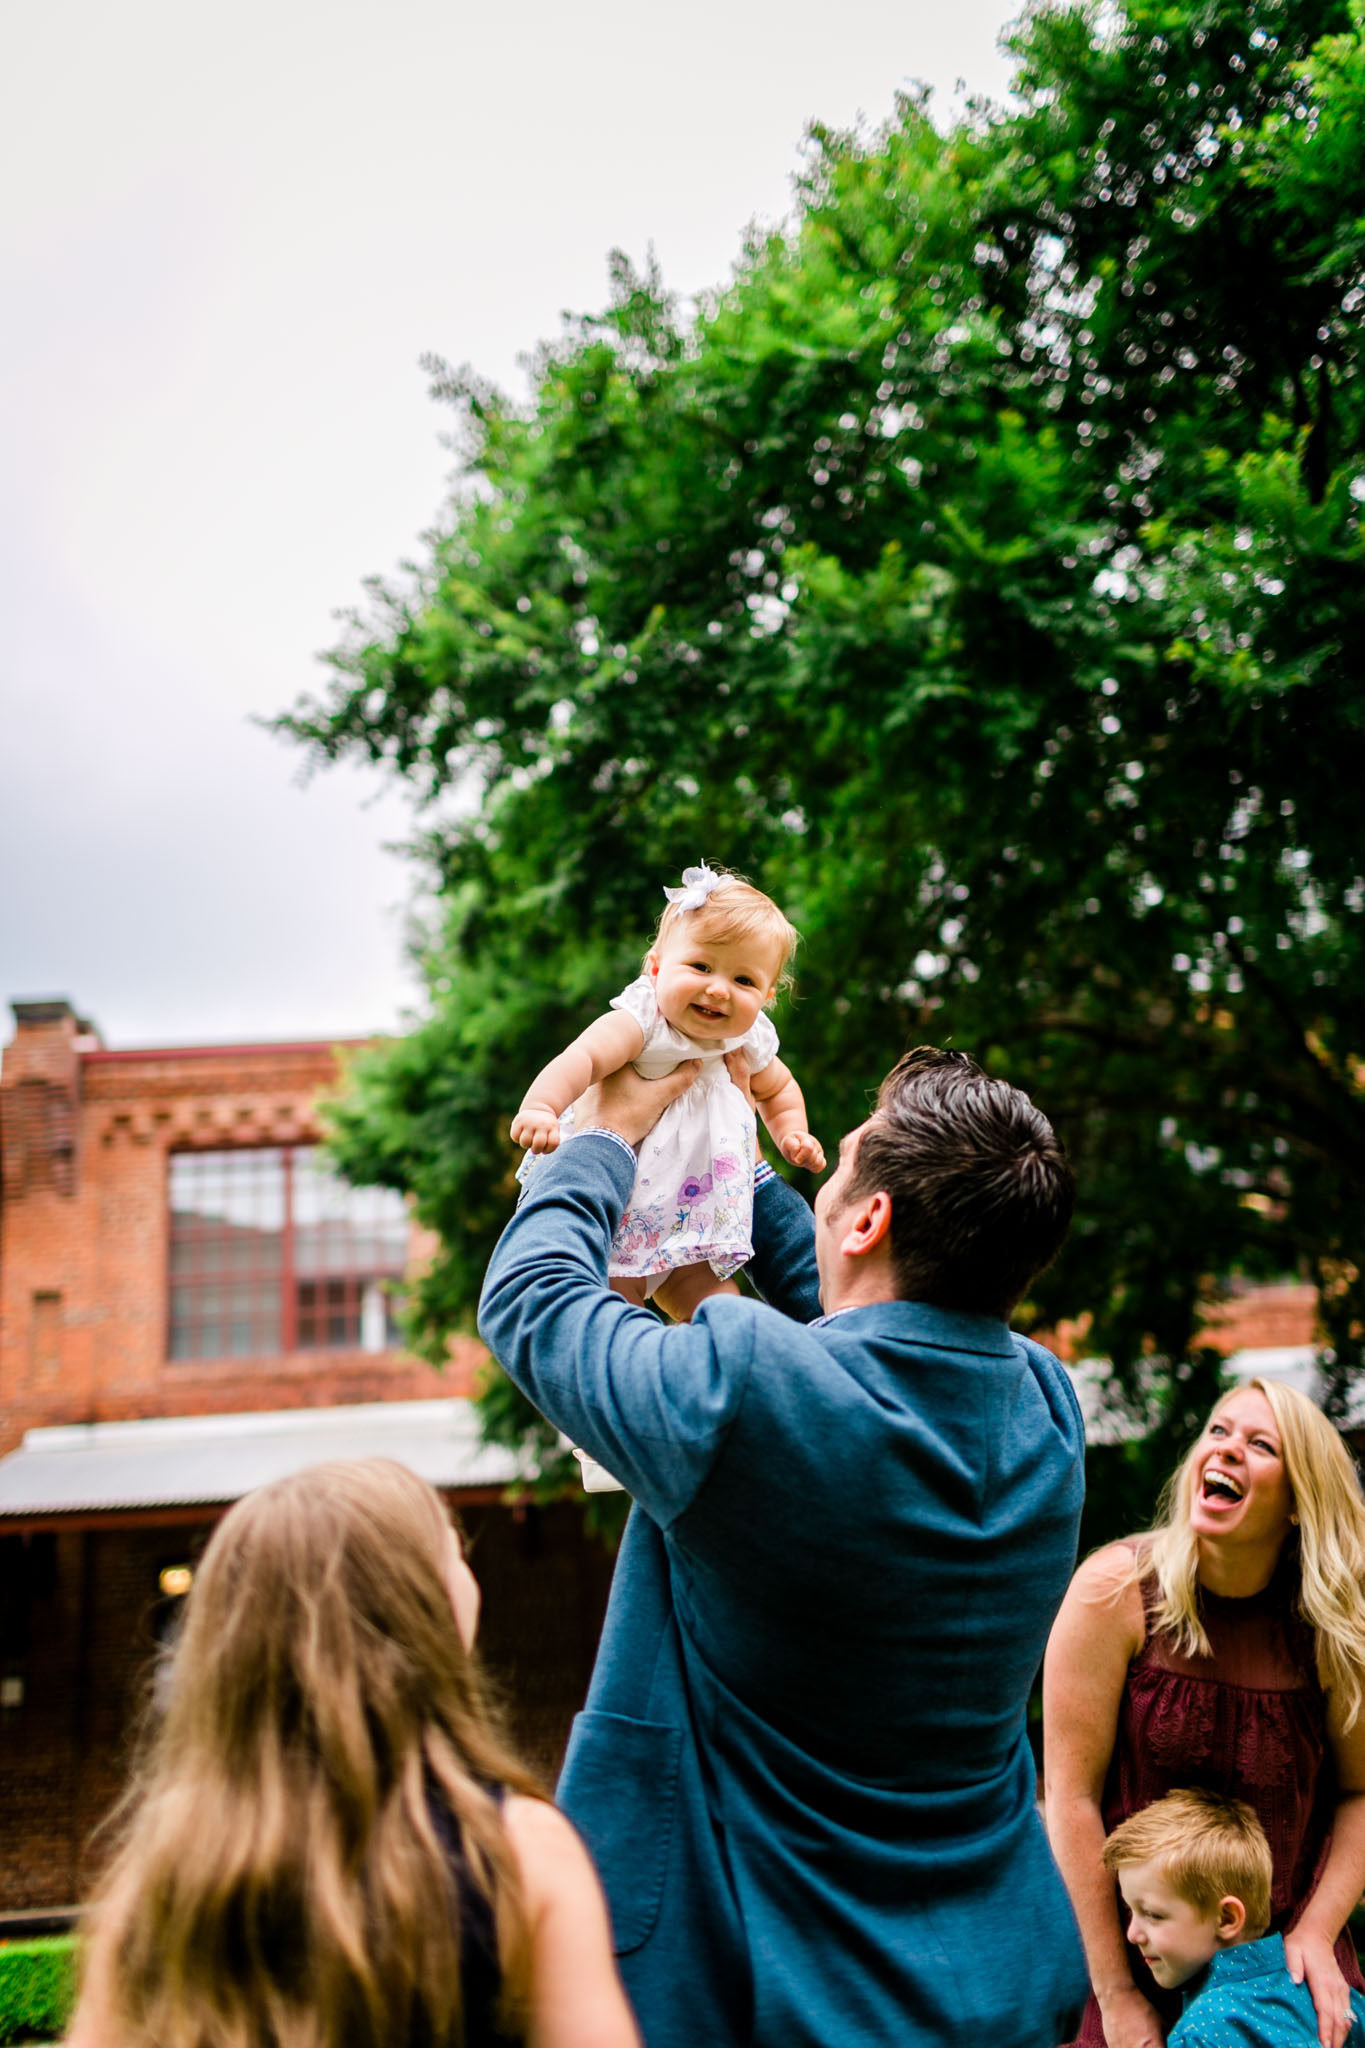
(595, 1477)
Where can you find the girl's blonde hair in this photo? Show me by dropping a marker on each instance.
(279, 1879)
(1329, 1543)
(734, 910)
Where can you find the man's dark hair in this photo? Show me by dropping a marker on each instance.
(981, 1190)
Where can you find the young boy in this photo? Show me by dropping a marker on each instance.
(1194, 1871)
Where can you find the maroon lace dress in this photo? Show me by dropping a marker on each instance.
(1249, 1721)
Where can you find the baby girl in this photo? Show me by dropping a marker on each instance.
(719, 956)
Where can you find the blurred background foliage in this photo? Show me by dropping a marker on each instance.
(980, 571)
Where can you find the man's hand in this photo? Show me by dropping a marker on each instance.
(629, 1106)
(536, 1126)
(737, 1067)
(803, 1150)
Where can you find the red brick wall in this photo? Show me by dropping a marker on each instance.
(84, 1139)
(61, 1752)
(85, 1646)
(1271, 1315)
(1279, 1315)
(84, 1229)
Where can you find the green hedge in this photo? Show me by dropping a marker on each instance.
(36, 1983)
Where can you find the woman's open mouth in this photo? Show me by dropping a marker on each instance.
(1221, 1486)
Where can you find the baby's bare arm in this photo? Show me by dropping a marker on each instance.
(784, 1112)
(608, 1043)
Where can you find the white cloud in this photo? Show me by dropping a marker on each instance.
(228, 237)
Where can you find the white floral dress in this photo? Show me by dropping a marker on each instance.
(693, 1199)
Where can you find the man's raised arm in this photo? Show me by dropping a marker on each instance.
(783, 1264)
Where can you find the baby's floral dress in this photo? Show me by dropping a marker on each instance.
(693, 1199)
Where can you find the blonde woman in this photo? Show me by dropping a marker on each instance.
(1225, 1649)
(327, 1844)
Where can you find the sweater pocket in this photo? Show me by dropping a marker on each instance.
(620, 1789)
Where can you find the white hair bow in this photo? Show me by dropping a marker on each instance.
(697, 886)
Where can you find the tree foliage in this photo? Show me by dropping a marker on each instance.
(981, 571)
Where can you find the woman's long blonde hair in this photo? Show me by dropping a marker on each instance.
(279, 1882)
(1328, 1545)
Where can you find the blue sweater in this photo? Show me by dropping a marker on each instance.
(802, 1768)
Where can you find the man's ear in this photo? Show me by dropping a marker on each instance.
(1232, 1920)
(867, 1224)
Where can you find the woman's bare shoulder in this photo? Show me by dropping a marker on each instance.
(1112, 1566)
(1100, 1628)
(577, 2000)
(546, 1845)
(1111, 1579)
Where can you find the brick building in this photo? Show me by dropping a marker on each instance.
(1265, 1330)
(191, 1303)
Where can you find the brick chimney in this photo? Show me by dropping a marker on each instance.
(39, 1097)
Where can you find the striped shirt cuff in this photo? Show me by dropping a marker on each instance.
(596, 1131)
(762, 1174)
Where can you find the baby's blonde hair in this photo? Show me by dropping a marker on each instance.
(735, 909)
(1206, 1847)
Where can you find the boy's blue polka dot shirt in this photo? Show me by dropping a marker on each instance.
(1246, 1998)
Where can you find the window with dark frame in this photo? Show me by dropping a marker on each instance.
(270, 1251)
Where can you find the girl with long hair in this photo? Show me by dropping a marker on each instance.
(327, 1843)
(1224, 1649)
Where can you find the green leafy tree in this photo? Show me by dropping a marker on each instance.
(981, 571)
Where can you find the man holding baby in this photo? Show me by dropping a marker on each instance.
(803, 1769)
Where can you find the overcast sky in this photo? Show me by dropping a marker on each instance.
(226, 236)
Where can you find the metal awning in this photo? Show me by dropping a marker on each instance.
(117, 1469)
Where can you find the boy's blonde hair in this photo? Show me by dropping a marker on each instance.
(733, 910)
(1206, 1847)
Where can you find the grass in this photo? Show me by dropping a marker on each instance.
(37, 1979)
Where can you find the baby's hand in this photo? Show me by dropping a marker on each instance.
(536, 1126)
(803, 1150)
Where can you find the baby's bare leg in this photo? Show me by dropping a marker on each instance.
(686, 1288)
(632, 1288)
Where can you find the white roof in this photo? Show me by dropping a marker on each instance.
(177, 1461)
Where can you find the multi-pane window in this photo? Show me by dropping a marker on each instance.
(271, 1252)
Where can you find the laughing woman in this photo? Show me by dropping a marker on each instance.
(1224, 1649)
